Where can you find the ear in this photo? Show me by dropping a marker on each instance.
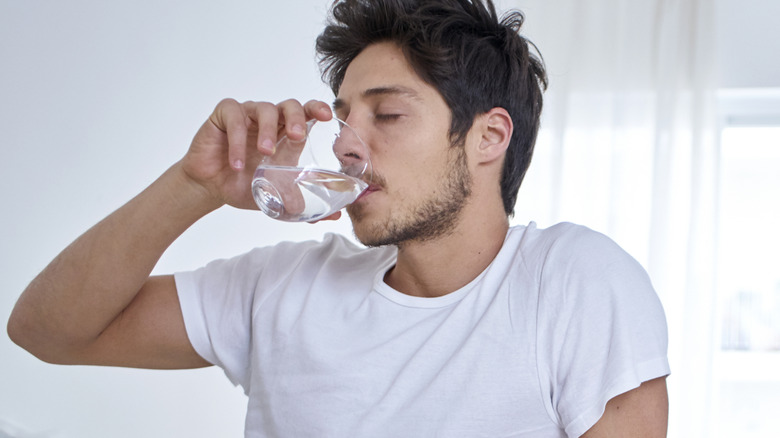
(496, 131)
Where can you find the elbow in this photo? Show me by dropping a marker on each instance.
(20, 331)
(24, 325)
(32, 337)
(14, 331)
(17, 327)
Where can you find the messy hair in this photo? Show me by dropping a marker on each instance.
(460, 47)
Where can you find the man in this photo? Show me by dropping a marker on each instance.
(451, 323)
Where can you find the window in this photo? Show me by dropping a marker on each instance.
(747, 365)
(749, 238)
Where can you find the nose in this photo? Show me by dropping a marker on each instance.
(352, 152)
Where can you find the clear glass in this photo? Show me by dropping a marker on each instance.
(310, 179)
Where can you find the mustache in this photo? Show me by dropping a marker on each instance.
(376, 181)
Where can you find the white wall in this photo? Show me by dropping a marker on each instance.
(98, 98)
(749, 43)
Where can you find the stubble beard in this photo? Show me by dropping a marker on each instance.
(428, 220)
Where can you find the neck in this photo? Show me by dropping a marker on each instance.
(437, 267)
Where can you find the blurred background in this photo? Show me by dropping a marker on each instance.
(661, 129)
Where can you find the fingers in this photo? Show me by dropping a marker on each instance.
(266, 117)
(264, 121)
(291, 112)
(229, 118)
(334, 217)
(318, 110)
(294, 115)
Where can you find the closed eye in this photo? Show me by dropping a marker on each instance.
(386, 117)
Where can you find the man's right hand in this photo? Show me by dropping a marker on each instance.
(230, 144)
(95, 303)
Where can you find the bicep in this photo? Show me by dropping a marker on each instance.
(149, 333)
(642, 412)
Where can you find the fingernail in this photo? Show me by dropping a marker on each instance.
(298, 129)
(238, 164)
(268, 145)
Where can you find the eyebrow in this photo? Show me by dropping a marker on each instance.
(381, 91)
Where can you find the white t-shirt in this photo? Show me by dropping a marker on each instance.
(559, 323)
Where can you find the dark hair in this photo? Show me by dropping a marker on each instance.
(461, 48)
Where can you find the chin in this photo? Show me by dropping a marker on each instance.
(363, 231)
(367, 230)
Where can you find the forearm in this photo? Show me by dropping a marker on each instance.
(94, 279)
(95, 303)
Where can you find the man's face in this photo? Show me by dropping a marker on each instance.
(420, 183)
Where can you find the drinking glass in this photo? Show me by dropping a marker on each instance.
(310, 179)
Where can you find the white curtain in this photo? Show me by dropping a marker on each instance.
(629, 147)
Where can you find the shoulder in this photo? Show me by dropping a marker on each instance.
(331, 246)
(600, 326)
(335, 248)
(574, 266)
(532, 238)
(289, 257)
(564, 246)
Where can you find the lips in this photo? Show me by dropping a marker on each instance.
(370, 189)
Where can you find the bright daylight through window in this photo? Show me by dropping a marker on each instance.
(747, 380)
(749, 262)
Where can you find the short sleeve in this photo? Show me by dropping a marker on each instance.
(601, 327)
(220, 300)
(216, 302)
